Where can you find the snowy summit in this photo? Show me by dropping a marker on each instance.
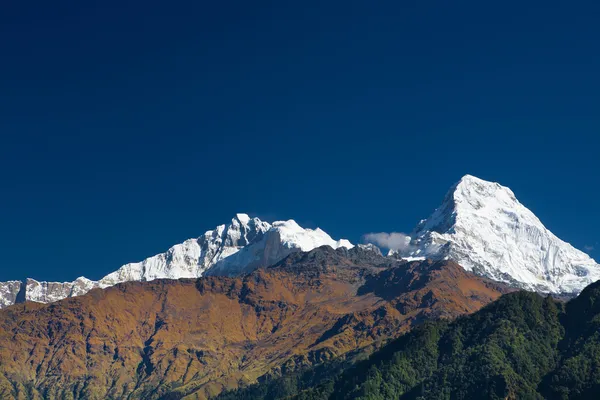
(482, 226)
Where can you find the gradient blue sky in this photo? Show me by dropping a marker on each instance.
(129, 126)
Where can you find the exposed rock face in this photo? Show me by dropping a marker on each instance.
(482, 226)
(241, 246)
(9, 292)
(47, 292)
(195, 337)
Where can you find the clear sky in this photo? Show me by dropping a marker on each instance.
(129, 126)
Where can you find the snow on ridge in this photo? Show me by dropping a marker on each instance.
(240, 246)
(481, 225)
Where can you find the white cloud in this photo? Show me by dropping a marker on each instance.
(589, 248)
(393, 240)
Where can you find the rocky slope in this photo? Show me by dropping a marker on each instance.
(483, 227)
(241, 246)
(193, 338)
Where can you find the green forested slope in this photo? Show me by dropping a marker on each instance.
(523, 346)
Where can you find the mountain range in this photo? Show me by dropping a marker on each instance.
(231, 249)
(481, 225)
(258, 310)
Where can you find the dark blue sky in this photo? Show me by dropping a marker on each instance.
(126, 127)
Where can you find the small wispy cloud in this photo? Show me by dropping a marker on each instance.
(588, 248)
(390, 240)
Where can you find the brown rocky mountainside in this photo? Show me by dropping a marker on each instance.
(170, 339)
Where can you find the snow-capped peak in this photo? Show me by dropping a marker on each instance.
(243, 218)
(242, 245)
(483, 227)
(293, 235)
